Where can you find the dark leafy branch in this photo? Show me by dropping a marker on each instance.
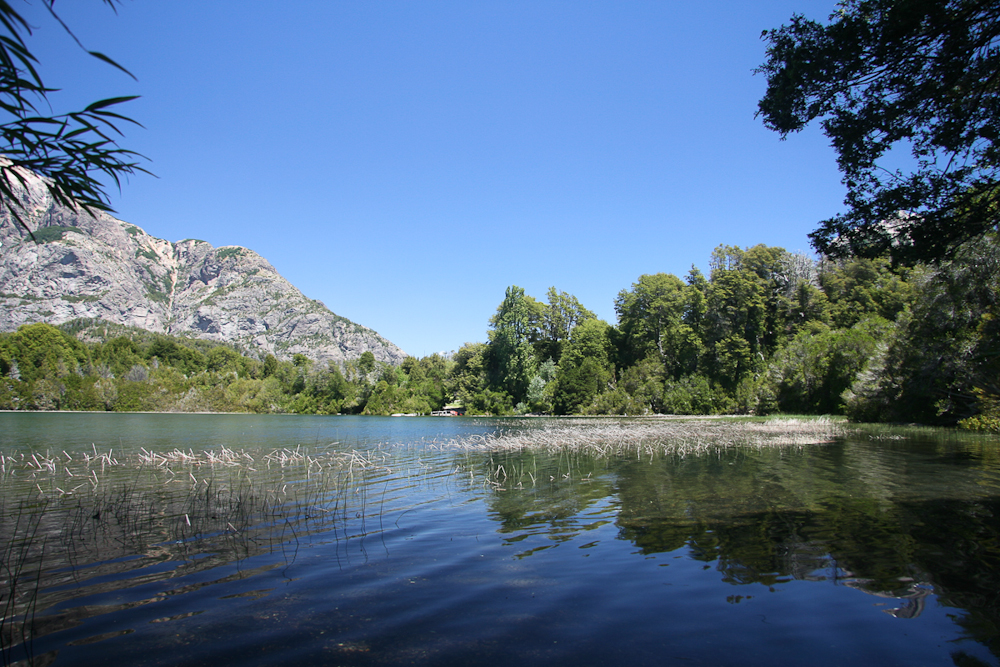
(72, 151)
(885, 75)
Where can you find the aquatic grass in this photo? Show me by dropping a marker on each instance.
(17, 594)
(91, 523)
(66, 474)
(579, 451)
(654, 437)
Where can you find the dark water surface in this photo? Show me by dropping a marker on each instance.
(880, 548)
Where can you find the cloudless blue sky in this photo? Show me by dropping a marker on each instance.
(405, 162)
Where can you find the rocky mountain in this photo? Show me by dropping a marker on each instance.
(96, 266)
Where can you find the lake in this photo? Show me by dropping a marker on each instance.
(255, 540)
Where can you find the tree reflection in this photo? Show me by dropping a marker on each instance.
(896, 521)
(549, 495)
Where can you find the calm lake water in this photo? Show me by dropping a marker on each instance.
(371, 541)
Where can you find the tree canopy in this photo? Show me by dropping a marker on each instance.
(885, 77)
(72, 151)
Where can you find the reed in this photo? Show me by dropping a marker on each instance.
(85, 522)
(66, 474)
(18, 596)
(655, 437)
(579, 451)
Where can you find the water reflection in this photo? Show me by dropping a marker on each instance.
(428, 555)
(554, 496)
(898, 521)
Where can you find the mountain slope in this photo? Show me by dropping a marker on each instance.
(100, 267)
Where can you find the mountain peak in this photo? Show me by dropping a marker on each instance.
(96, 266)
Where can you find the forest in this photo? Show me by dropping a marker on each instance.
(766, 331)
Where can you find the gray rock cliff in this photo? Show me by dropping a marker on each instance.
(96, 266)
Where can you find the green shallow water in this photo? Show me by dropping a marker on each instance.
(881, 548)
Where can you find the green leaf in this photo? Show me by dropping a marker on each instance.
(100, 104)
(101, 56)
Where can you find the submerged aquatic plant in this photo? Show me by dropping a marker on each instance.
(89, 523)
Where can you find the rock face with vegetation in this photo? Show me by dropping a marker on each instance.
(95, 266)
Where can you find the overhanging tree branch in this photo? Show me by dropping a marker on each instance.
(71, 151)
(882, 74)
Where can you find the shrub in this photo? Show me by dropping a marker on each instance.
(54, 233)
(989, 417)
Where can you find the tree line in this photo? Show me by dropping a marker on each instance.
(766, 331)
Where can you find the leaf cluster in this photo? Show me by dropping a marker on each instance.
(72, 150)
(890, 76)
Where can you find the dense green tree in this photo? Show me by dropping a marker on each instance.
(861, 288)
(490, 402)
(695, 303)
(811, 373)
(579, 385)
(469, 374)
(224, 360)
(326, 391)
(412, 369)
(426, 377)
(776, 272)
(469, 382)
(694, 395)
(988, 418)
(769, 263)
(897, 75)
(253, 395)
(541, 390)
(798, 300)
(119, 355)
(135, 396)
(366, 362)
(585, 369)
(47, 394)
(512, 362)
(591, 339)
(384, 399)
(288, 375)
(944, 351)
(643, 386)
(806, 307)
(41, 350)
(81, 394)
(556, 320)
(735, 324)
(652, 320)
(169, 351)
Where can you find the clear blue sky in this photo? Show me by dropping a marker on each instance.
(404, 162)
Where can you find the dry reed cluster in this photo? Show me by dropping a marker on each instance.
(118, 513)
(66, 473)
(652, 437)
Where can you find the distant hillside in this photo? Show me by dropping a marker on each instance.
(99, 267)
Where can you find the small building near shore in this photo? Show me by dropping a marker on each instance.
(450, 411)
